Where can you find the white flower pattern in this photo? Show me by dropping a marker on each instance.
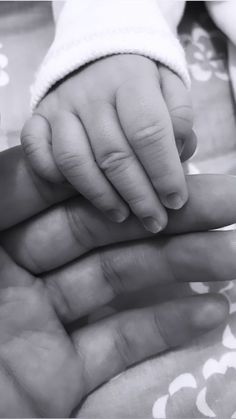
(213, 372)
(215, 375)
(205, 61)
(4, 76)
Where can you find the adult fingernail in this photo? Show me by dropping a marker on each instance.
(193, 316)
(118, 216)
(152, 225)
(212, 312)
(174, 201)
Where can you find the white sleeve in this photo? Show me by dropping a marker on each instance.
(90, 29)
(57, 7)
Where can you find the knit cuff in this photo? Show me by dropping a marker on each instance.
(108, 27)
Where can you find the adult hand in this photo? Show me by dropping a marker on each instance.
(46, 371)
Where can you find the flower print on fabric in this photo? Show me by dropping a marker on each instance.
(4, 76)
(207, 58)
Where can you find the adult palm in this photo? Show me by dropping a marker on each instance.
(60, 260)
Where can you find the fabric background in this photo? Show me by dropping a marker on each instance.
(199, 380)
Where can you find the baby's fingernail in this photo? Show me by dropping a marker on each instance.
(174, 201)
(194, 132)
(152, 225)
(118, 216)
(180, 146)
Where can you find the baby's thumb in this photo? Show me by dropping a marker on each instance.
(36, 142)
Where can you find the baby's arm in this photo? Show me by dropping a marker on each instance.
(109, 128)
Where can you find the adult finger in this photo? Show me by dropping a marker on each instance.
(90, 282)
(30, 194)
(133, 336)
(147, 124)
(49, 363)
(23, 193)
(116, 159)
(178, 101)
(75, 159)
(74, 228)
(65, 232)
(36, 140)
(38, 360)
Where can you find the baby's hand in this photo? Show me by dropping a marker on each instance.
(111, 130)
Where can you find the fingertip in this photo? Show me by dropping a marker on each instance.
(189, 146)
(210, 311)
(174, 201)
(177, 199)
(155, 223)
(118, 215)
(190, 317)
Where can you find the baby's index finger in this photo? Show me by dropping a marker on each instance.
(120, 165)
(178, 100)
(74, 156)
(148, 127)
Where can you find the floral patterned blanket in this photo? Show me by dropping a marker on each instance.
(188, 382)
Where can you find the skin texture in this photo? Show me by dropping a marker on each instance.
(47, 367)
(114, 130)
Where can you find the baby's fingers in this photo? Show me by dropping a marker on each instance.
(116, 159)
(147, 124)
(178, 101)
(75, 159)
(36, 141)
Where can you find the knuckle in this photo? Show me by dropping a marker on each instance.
(150, 135)
(110, 273)
(123, 345)
(140, 202)
(114, 160)
(30, 144)
(59, 299)
(70, 163)
(158, 326)
(76, 212)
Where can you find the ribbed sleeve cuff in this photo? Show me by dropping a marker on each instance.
(76, 44)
